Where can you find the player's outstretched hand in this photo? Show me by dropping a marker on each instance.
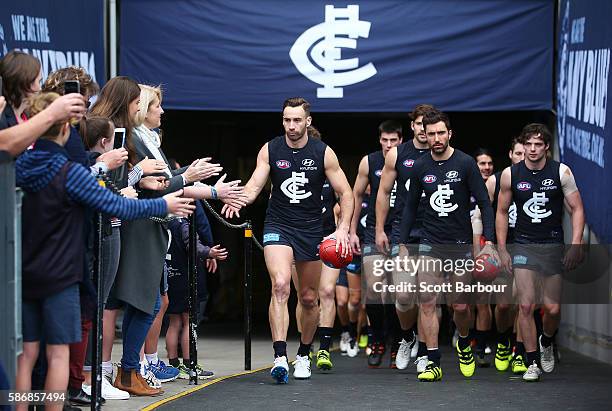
(382, 242)
(229, 211)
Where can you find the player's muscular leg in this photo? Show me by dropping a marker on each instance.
(309, 273)
(327, 289)
(279, 259)
(552, 308)
(525, 286)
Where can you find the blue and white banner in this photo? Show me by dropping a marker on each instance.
(583, 84)
(59, 33)
(361, 55)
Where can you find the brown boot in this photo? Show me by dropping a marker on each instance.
(132, 382)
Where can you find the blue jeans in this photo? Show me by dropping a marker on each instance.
(136, 325)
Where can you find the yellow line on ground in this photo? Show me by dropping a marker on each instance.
(197, 388)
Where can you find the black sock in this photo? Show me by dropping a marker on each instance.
(186, 362)
(520, 349)
(280, 348)
(304, 349)
(364, 330)
(325, 338)
(546, 340)
(352, 329)
(434, 356)
(513, 339)
(174, 362)
(504, 337)
(422, 349)
(408, 335)
(532, 357)
(481, 339)
(464, 342)
(376, 314)
(345, 328)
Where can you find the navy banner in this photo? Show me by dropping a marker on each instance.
(59, 33)
(583, 84)
(368, 55)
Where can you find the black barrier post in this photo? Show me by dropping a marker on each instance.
(193, 301)
(248, 297)
(96, 356)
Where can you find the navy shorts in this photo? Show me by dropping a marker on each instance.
(342, 280)
(546, 259)
(57, 318)
(304, 241)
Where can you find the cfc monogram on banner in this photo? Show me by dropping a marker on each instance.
(324, 42)
(292, 187)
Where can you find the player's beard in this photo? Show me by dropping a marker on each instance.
(440, 149)
(296, 136)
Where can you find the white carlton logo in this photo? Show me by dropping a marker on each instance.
(438, 200)
(512, 215)
(324, 42)
(533, 210)
(292, 187)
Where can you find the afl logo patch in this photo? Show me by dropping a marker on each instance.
(548, 182)
(430, 178)
(307, 162)
(523, 186)
(283, 164)
(378, 173)
(408, 163)
(452, 174)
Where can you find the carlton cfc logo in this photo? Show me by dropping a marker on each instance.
(284, 164)
(429, 178)
(523, 186)
(409, 162)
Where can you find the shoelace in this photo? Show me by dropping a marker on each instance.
(323, 354)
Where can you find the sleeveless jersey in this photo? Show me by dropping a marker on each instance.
(511, 209)
(328, 200)
(539, 203)
(407, 154)
(376, 162)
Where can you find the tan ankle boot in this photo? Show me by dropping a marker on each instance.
(132, 382)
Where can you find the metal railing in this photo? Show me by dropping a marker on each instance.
(11, 343)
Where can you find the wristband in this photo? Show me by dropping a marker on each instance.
(213, 193)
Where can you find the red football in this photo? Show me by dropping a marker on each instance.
(331, 258)
(486, 268)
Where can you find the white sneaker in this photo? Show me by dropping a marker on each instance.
(153, 382)
(301, 366)
(403, 355)
(421, 363)
(533, 373)
(108, 391)
(415, 350)
(280, 370)
(547, 356)
(345, 338)
(353, 349)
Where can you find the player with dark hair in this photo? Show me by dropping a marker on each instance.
(539, 187)
(298, 166)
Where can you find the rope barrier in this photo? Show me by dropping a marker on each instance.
(220, 218)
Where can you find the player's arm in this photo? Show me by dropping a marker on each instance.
(574, 201)
(342, 188)
(359, 188)
(504, 200)
(255, 184)
(476, 230)
(387, 180)
(480, 193)
(415, 189)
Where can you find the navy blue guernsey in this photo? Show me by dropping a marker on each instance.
(407, 154)
(539, 203)
(297, 177)
(328, 199)
(511, 209)
(447, 186)
(376, 162)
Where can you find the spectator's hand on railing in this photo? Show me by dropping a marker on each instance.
(129, 192)
(156, 183)
(152, 166)
(180, 206)
(114, 158)
(217, 252)
(201, 169)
